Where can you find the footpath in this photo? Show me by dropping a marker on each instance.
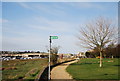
(59, 72)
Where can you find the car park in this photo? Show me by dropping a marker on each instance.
(21, 58)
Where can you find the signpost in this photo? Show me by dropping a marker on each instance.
(51, 37)
(54, 37)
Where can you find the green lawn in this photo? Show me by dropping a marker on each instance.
(88, 68)
(26, 69)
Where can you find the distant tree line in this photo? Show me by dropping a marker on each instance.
(111, 51)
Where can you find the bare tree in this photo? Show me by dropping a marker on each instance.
(54, 52)
(97, 34)
(55, 49)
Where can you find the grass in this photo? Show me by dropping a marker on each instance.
(88, 68)
(23, 69)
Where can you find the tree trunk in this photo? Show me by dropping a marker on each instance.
(100, 58)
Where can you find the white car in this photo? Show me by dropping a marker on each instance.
(6, 59)
(13, 58)
(29, 57)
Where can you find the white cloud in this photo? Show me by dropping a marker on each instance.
(51, 25)
(24, 5)
(53, 9)
(3, 21)
(39, 23)
(85, 5)
(24, 43)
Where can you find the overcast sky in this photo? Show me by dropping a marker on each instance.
(28, 25)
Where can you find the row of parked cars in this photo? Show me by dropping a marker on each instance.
(21, 58)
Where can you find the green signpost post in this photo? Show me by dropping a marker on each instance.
(51, 37)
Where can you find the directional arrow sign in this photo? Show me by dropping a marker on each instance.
(54, 37)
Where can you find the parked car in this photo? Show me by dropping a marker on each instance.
(22, 58)
(35, 57)
(29, 57)
(13, 58)
(6, 59)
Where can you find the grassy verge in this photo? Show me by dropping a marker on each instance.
(22, 69)
(88, 68)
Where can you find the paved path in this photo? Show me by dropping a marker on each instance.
(59, 72)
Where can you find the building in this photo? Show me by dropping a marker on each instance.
(81, 55)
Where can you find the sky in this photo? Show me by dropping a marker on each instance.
(60, 0)
(28, 25)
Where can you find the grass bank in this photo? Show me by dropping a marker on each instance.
(88, 68)
(22, 69)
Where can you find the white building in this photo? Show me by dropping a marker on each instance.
(81, 55)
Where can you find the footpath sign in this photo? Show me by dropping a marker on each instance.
(54, 37)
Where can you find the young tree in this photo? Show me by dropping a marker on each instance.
(54, 52)
(97, 34)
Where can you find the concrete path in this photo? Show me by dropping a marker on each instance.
(59, 72)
